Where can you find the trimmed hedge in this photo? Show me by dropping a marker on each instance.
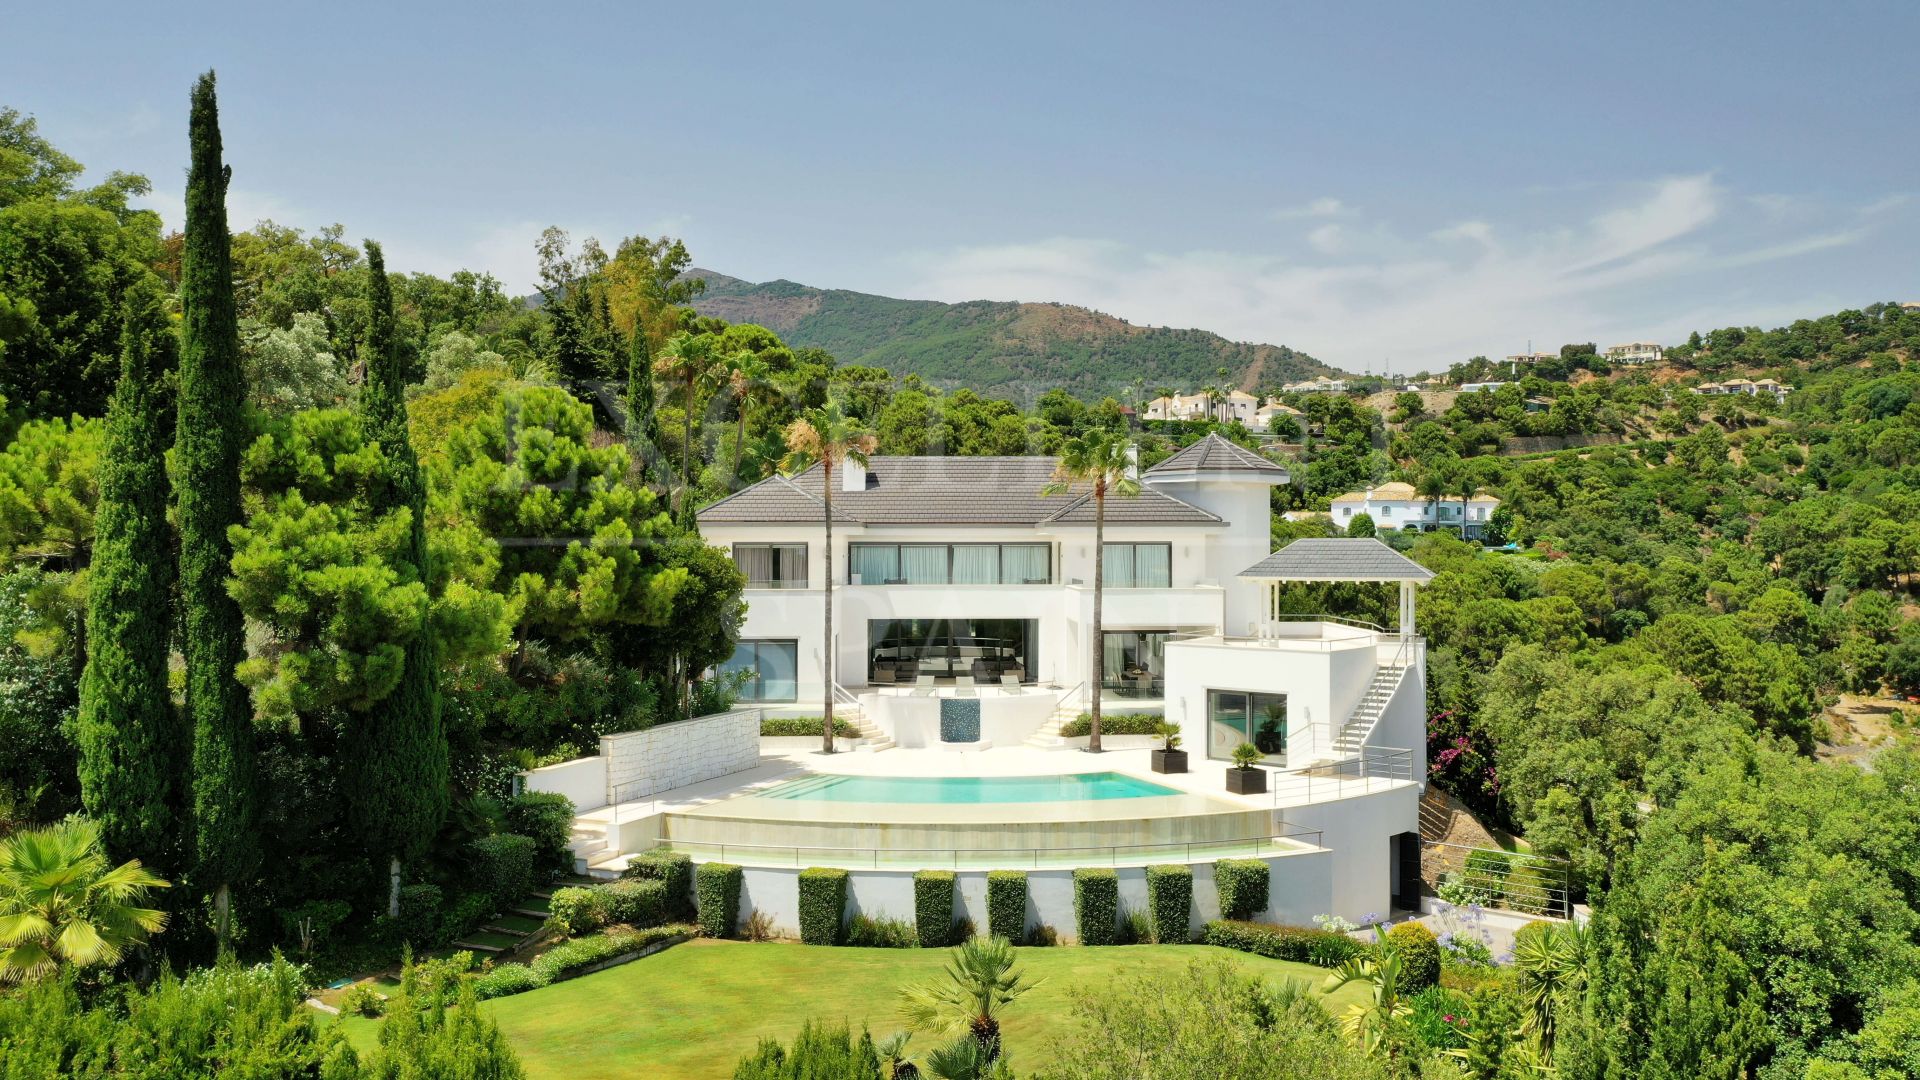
(1302, 944)
(635, 901)
(823, 904)
(1007, 904)
(1096, 904)
(798, 727)
(571, 957)
(716, 885)
(503, 866)
(1242, 885)
(577, 909)
(673, 869)
(506, 979)
(465, 915)
(1419, 956)
(546, 818)
(1126, 723)
(933, 908)
(420, 914)
(1170, 903)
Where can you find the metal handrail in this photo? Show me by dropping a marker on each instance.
(1385, 764)
(1323, 617)
(874, 857)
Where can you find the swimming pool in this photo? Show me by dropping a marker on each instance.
(966, 789)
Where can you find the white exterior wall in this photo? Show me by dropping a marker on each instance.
(1322, 681)
(639, 763)
(1360, 831)
(1300, 886)
(583, 780)
(1389, 514)
(1248, 508)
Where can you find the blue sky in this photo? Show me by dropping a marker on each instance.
(1413, 181)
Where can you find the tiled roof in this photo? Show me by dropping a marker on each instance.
(1215, 454)
(1338, 558)
(945, 491)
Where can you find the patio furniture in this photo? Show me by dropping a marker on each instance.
(1010, 683)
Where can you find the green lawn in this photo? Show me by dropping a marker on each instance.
(694, 1010)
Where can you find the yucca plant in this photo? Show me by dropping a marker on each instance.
(61, 902)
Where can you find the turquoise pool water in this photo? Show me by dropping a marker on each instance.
(966, 789)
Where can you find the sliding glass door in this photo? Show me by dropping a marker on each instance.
(1240, 716)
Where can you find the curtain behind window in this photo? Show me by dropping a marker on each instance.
(1117, 571)
(1152, 566)
(924, 565)
(976, 564)
(1022, 563)
(755, 561)
(876, 564)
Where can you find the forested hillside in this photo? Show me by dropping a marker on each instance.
(1011, 348)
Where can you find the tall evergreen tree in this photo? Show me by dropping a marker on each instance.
(398, 770)
(212, 430)
(129, 734)
(643, 426)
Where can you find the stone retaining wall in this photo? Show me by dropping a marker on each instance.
(641, 763)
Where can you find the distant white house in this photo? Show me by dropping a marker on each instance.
(1751, 387)
(1265, 416)
(1528, 359)
(1318, 385)
(1476, 387)
(1635, 352)
(1233, 405)
(1400, 506)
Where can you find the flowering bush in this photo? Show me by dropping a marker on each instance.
(1461, 765)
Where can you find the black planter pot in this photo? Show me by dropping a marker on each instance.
(1169, 761)
(1247, 781)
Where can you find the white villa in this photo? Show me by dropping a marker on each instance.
(1232, 405)
(1317, 385)
(1750, 387)
(1635, 352)
(1400, 506)
(961, 638)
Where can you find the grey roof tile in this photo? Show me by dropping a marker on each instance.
(946, 491)
(1338, 558)
(1215, 454)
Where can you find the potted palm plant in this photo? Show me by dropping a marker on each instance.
(1243, 778)
(1169, 758)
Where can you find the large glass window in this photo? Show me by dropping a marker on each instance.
(905, 651)
(1238, 716)
(772, 566)
(773, 669)
(950, 564)
(1133, 663)
(1137, 566)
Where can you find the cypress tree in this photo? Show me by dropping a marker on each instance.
(129, 734)
(643, 426)
(210, 437)
(398, 767)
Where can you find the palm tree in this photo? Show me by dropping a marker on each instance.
(1551, 961)
(1368, 1024)
(687, 361)
(1098, 458)
(828, 436)
(980, 983)
(62, 902)
(749, 381)
(893, 1051)
(1433, 488)
(1467, 490)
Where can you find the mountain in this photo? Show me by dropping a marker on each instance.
(995, 346)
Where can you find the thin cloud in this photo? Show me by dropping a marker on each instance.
(1323, 207)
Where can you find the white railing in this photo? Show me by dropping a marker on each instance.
(1290, 839)
(1375, 768)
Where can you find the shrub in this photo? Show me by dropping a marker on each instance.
(823, 904)
(1485, 873)
(933, 908)
(640, 903)
(465, 915)
(963, 930)
(1139, 723)
(1043, 936)
(881, 932)
(503, 866)
(546, 818)
(803, 727)
(820, 1050)
(1096, 904)
(507, 979)
(573, 957)
(1242, 885)
(420, 914)
(1007, 904)
(673, 869)
(717, 886)
(1526, 889)
(1170, 903)
(1134, 927)
(1419, 956)
(1440, 1018)
(1324, 948)
(576, 910)
(311, 923)
(361, 999)
(760, 926)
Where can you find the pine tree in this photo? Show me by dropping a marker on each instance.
(129, 734)
(210, 436)
(398, 769)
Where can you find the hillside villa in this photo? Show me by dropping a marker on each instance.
(1399, 506)
(1250, 411)
(961, 637)
(1635, 352)
(1319, 384)
(1750, 387)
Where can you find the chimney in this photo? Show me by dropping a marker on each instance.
(853, 476)
(1133, 460)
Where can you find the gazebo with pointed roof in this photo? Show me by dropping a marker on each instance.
(1341, 558)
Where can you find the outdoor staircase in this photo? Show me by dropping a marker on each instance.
(871, 737)
(514, 928)
(1048, 736)
(1353, 735)
(587, 843)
